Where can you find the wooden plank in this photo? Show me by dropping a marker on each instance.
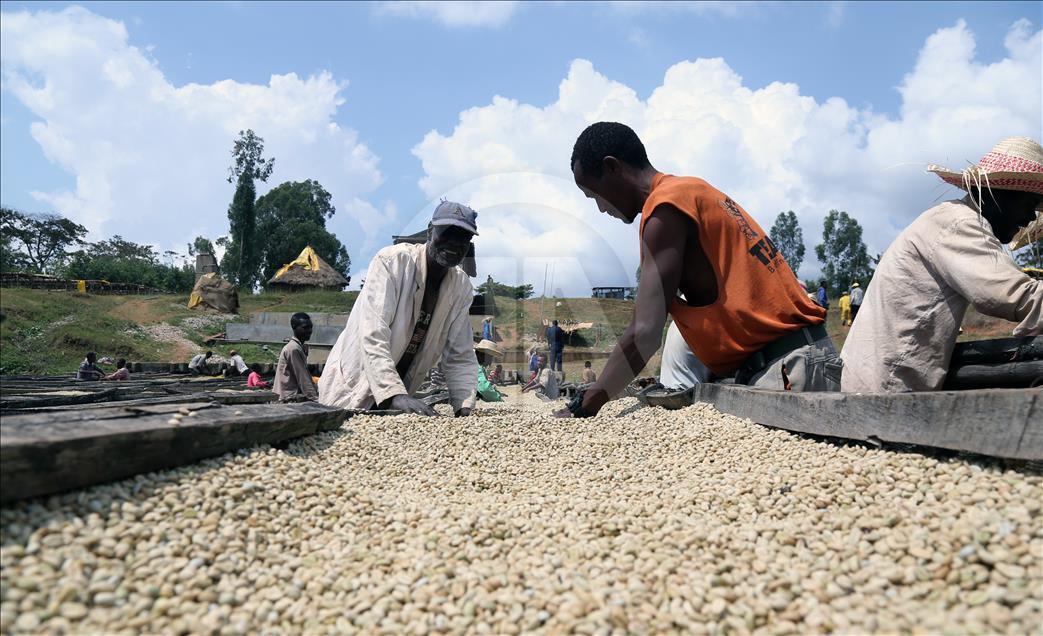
(220, 397)
(995, 375)
(997, 422)
(997, 350)
(46, 453)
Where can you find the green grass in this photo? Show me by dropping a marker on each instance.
(48, 332)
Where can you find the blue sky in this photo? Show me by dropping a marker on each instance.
(408, 72)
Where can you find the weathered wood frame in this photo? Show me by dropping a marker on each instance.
(1004, 423)
(50, 452)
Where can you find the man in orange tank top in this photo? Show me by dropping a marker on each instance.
(706, 263)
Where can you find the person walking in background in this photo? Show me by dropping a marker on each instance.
(857, 293)
(254, 380)
(487, 328)
(845, 308)
(821, 296)
(534, 360)
(293, 381)
(556, 342)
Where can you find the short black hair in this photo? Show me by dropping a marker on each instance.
(587, 363)
(604, 139)
(91, 354)
(554, 322)
(298, 319)
(209, 353)
(122, 362)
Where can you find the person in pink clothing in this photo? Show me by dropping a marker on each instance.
(254, 380)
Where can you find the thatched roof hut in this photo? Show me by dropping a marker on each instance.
(308, 271)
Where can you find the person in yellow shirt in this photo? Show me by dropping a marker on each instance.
(845, 309)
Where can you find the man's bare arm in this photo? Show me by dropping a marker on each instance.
(662, 246)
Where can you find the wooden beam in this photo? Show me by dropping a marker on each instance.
(46, 453)
(997, 422)
(1026, 373)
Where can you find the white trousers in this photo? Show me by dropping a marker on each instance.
(680, 369)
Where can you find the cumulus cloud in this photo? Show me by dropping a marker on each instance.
(772, 149)
(452, 13)
(150, 158)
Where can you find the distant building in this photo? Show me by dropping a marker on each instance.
(618, 293)
(206, 264)
(308, 272)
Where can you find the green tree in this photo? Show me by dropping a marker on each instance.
(519, 292)
(789, 238)
(44, 239)
(842, 253)
(292, 216)
(118, 260)
(242, 258)
(201, 245)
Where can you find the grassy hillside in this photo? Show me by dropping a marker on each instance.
(45, 332)
(48, 332)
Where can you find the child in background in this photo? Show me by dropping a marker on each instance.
(255, 381)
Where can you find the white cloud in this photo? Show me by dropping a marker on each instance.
(771, 149)
(452, 13)
(150, 158)
(698, 7)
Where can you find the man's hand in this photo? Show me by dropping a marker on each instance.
(408, 404)
(463, 412)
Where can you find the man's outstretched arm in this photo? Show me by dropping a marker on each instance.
(662, 251)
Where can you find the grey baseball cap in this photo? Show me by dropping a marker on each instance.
(458, 214)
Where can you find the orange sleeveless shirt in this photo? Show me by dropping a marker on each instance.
(759, 298)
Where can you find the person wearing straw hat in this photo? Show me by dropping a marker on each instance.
(857, 296)
(487, 353)
(948, 258)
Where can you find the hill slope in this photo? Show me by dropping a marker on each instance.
(48, 332)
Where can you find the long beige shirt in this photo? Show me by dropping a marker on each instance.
(947, 259)
(360, 370)
(292, 377)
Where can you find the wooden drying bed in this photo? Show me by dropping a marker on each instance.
(1004, 423)
(58, 434)
(1000, 422)
(20, 393)
(54, 451)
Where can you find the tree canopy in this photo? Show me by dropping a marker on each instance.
(842, 253)
(241, 261)
(201, 245)
(37, 242)
(520, 292)
(789, 239)
(118, 260)
(292, 216)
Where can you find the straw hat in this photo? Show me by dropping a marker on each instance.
(488, 347)
(1016, 163)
